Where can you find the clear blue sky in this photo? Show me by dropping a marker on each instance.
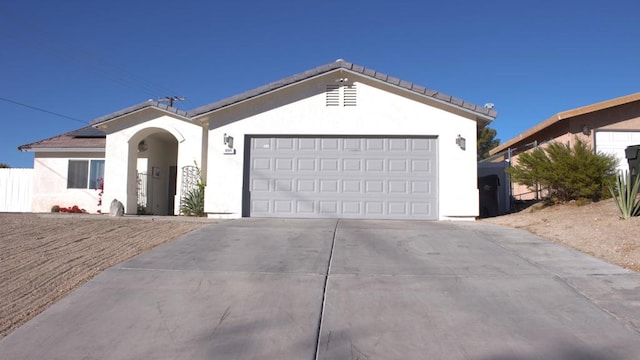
(85, 59)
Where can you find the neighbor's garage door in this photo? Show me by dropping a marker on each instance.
(614, 142)
(328, 177)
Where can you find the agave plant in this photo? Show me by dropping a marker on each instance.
(192, 203)
(625, 195)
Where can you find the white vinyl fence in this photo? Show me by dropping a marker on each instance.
(15, 190)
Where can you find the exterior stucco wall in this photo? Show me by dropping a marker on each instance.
(380, 110)
(121, 162)
(50, 182)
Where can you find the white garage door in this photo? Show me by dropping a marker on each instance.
(331, 177)
(614, 142)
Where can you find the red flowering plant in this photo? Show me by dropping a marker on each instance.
(72, 210)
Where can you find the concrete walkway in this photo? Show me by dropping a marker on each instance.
(258, 289)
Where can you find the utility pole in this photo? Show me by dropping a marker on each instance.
(171, 99)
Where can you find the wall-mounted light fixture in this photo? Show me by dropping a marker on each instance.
(228, 140)
(342, 80)
(142, 146)
(585, 130)
(461, 142)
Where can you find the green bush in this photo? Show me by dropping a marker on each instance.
(192, 203)
(625, 194)
(567, 173)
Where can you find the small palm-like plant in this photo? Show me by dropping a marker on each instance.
(193, 202)
(625, 194)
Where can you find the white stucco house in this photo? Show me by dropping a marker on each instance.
(337, 141)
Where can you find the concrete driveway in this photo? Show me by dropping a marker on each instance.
(258, 289)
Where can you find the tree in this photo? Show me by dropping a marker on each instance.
(567, 173)
(4, 166)
(486, 141)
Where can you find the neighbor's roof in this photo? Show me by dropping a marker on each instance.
(83, 139)
(564, 115)
(485, 113)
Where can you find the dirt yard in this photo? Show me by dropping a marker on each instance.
(595, 229)
(44, 257)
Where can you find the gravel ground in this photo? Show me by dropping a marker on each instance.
(43, 257)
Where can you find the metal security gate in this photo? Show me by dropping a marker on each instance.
(342, 177)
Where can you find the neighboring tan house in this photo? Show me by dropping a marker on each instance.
(337, 141)
(609, 126)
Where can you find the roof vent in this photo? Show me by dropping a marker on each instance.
(489, 105)
(341, 94)
(349, 95)
(332, 95)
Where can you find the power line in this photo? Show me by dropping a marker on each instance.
(43, 110)
(93, 62)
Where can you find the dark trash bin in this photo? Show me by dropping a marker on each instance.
(632, 153)
(488, 191)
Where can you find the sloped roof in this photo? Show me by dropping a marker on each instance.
(565, 115)
(87, 138)
(71, 140)
(481, 111)
(138, 107)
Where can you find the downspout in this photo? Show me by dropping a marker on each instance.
(535, 145)
(511, 199)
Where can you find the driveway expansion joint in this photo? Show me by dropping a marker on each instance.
(324, 290)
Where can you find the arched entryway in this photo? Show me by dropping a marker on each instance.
(154, 178)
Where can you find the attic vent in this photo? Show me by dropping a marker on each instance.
(337, 95)
(333, 95)
(349, 95)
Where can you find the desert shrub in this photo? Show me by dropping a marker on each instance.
(568, 173)
(55, 208)
(192, 203)
(625, 195)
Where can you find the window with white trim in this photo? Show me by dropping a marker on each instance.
(85, 174)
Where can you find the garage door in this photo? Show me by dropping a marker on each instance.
(614, 142)
(345, 177)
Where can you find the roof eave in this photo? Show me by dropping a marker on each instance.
(104, 120)
(530, 132)
(59, 149)
(565, 115)
(477, 115)
(486, 115)
(197, 115)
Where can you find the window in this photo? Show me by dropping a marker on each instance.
(84, 174)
